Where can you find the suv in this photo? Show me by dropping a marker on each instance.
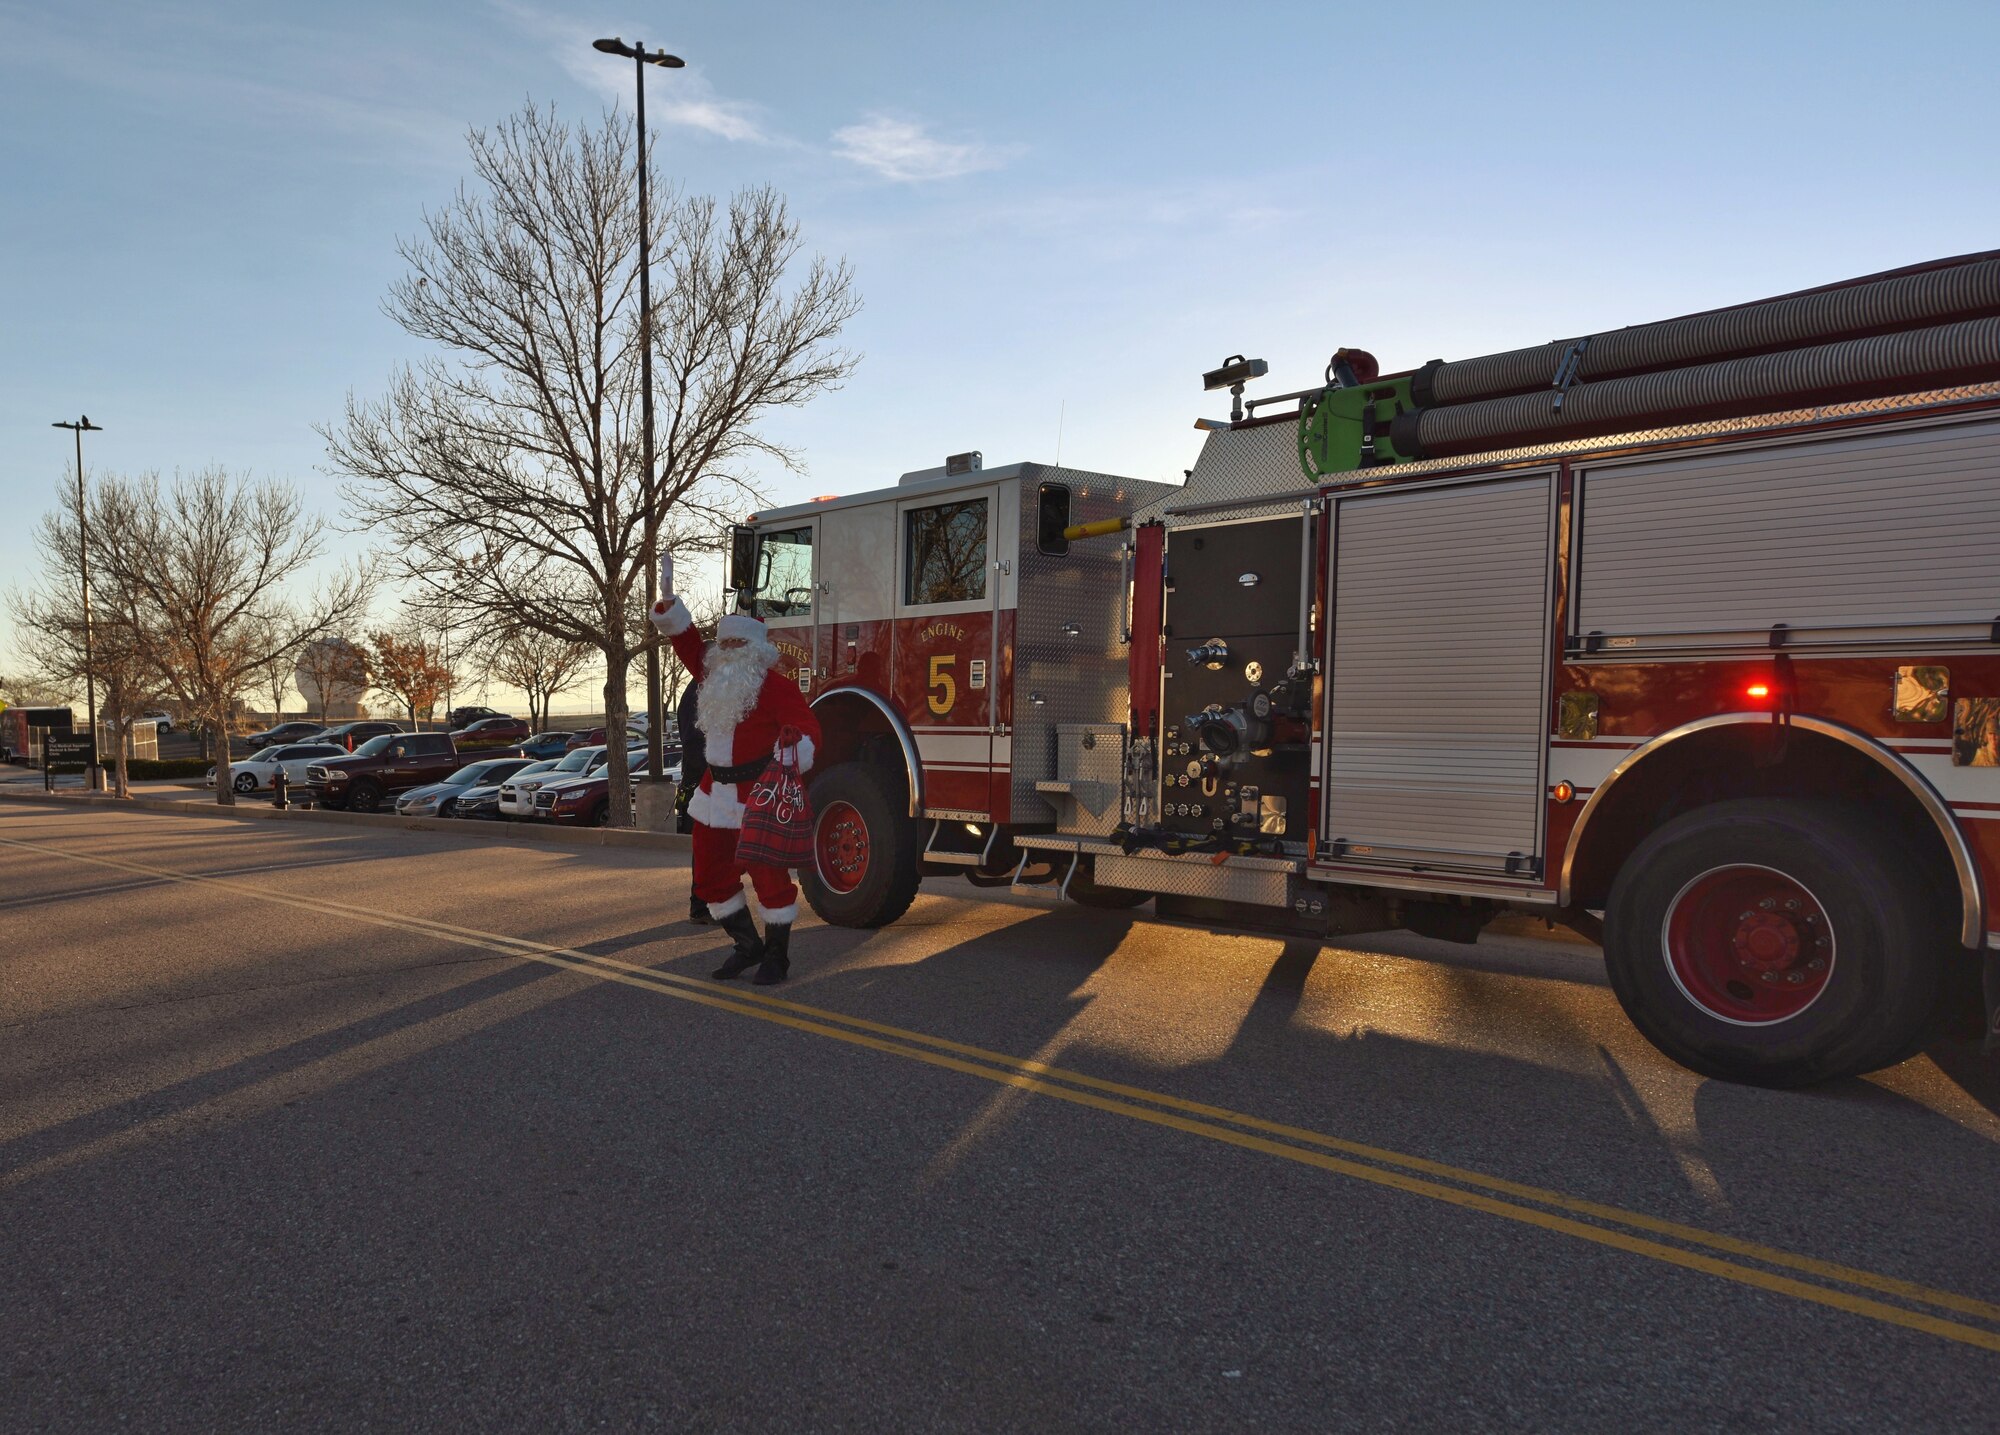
(351, 735)
(491, 732)
(466, 717)
(586, 801)
(282, 733)
(382, 766)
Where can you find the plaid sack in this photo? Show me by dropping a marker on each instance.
(777, 816)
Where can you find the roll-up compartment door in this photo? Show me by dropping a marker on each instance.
(1866, 538)
(1436, 693)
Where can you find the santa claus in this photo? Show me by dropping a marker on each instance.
(744, 703)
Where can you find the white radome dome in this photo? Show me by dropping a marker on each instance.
(321, 658)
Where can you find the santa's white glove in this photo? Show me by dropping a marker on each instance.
(667, 577)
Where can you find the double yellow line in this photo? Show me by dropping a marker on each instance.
(1826, 1283)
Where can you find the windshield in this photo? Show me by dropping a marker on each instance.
(784, 575)
(375, 744)
(578, 760)
(465, 775)
(547, 764)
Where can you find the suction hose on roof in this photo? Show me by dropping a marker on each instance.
(1964, 352)
(1928, 295)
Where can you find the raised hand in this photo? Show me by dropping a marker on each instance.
(667, 577)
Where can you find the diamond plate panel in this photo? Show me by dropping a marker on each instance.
(1240, 463)
(1069, 650)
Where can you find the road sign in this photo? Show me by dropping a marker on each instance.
(49, 717)
(69, 752)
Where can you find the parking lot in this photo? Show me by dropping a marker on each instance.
(338, 1126)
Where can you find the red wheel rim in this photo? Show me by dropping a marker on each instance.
(1748, 945)
(841, 846)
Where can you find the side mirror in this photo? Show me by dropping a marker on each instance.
(742, 558)
(1051, 518)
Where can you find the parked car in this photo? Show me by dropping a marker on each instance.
(254, 773)
(638, 724)
(635, 731)
(484, 800)
(491, 732)
(586, 801)
(466, 717)
(162, 719)
(297, 730)
(547, 744)
(514, 793)
(590, 737)
(382, 767)
(440, 799)
(351, 735)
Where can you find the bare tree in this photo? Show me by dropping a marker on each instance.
(48, 623)
(274, 674)
(209, 561)
(507, 475)
(539, 665)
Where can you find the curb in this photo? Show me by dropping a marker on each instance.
(262, 812)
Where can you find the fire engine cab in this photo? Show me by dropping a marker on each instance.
(1684, 635)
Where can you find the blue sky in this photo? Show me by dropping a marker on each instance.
(1058, 214)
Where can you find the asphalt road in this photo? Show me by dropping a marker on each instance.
(316, 1128)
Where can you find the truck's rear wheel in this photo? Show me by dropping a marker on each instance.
(864, 869)
(1776, 942)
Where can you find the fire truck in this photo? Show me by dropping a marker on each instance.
(1685, 636)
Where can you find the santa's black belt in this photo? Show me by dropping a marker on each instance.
(742, 772)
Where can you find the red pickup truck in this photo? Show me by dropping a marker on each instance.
(383, 766)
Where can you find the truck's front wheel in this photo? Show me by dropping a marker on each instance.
(1774, 941)
(864, 868)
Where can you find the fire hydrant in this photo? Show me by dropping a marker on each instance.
(279, 783)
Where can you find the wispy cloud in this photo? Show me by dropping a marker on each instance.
(678, 97)
(905, 151)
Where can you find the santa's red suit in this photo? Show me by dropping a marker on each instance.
(744, 703)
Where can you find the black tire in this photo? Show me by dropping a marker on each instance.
(1713, 999)
(364, 796)
(884, 884)
(245, 782)
(1083, 889)
(600, 815)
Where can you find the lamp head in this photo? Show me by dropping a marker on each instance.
(614, 46)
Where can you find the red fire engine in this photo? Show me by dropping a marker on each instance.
(1685, 635)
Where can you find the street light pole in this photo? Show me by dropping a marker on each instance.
(649, 559)
(79, 428)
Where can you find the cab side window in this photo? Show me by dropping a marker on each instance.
(944, 553)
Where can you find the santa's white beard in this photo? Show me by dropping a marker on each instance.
(730, 682)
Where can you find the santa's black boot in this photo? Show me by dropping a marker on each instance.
(777, 954)
(698, 912)
(750, 949)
